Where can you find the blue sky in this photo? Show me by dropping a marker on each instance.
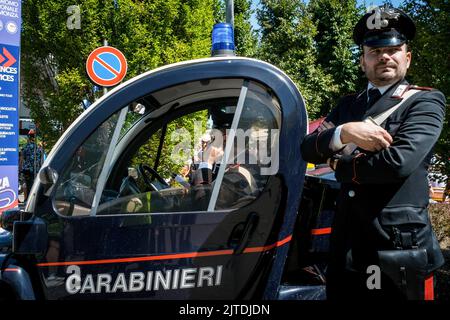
(367, 3)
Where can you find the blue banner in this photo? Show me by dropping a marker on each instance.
(10, 22)
(10, 26)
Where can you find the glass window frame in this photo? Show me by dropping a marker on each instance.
(109, 162)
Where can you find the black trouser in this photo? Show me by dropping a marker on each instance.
(352, 285)
(348, 285)
(29, 179)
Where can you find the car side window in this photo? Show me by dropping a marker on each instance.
(156, 173)
(197, 147)
(177, 167)
(75, 189)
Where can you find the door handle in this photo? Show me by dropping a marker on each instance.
(248, 228)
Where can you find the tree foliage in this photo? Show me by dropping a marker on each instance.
(245, 37)
(150, 34)
(336, 51)
(179, 142)
(430, 65)
(287, 41)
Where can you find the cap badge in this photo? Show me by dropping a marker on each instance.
(380, 18)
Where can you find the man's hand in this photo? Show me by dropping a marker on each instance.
(212, 154)
(134, 205)
(367, 136)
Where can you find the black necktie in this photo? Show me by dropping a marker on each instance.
(374, 95)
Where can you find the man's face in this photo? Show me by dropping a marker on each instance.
(385, 65)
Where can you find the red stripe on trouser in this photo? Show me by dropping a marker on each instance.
(429, 288)
(320, 231)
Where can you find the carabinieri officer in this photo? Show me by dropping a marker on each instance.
(382, 221)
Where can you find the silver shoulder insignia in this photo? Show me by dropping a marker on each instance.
(401, 89)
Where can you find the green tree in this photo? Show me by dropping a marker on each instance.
(179, 131)
(287, 41)
(219, 11)
(430, 64)
(150, 34)
(245, 37)
(336, 51)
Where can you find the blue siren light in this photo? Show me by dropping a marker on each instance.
(222, 39)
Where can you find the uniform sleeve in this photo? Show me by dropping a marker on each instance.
(315, 147)
(413, 141)
(336, 142)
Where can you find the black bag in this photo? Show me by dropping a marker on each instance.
(407, 269)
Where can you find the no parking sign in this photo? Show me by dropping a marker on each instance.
(106, 66)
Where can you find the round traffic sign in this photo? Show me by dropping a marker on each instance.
(106, 66)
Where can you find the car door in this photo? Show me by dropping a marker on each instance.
(118, 235)
(109, 234)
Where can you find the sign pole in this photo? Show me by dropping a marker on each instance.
(105, 89)
(10, 17)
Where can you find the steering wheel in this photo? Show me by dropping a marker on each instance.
(143, 168)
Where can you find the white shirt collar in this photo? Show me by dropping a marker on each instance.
(381, 89)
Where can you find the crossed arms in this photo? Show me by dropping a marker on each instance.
(383, 159)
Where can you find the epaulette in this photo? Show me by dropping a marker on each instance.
(403, 88)
(420, 88)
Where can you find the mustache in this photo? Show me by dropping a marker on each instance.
(392, 65)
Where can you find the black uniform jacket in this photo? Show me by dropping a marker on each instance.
(384, 189)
